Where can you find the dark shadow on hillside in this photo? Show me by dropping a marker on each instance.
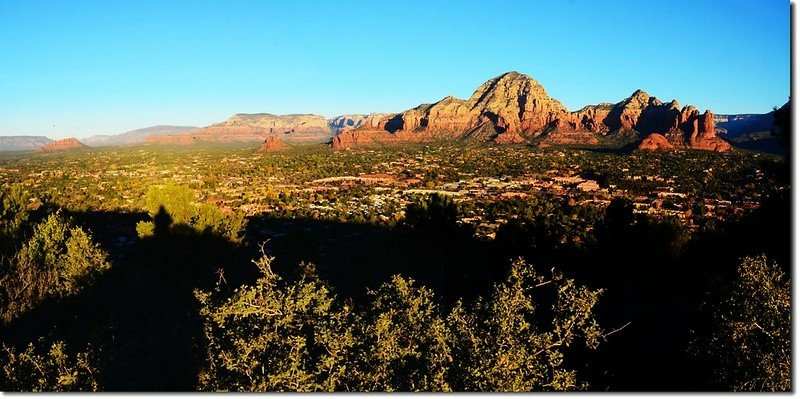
(355, 257)
(141, 317)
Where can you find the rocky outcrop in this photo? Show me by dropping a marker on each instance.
(62, 145)
(22, 143)
(513, 108)
(272, 144)
(255, 127)
(654, 142)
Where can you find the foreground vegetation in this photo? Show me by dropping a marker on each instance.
(426, 267)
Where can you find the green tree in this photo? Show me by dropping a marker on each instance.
(58, 260)
(501, 344)
(277, 336)
(14, 218)
(173, 208)
(752, 341)
(404, 340)
(283, 335)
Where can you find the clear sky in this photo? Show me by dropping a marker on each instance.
(78, 68)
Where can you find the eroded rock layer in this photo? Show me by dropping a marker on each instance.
(513, 108)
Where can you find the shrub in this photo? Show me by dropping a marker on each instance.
(58, 260)
(39, 369)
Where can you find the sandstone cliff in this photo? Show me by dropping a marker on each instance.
(62, 145)
(255, 128)
(513, 108)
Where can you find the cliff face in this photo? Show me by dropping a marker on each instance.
(62, 145)
(22, 143)
(254, 127)
(514, 108)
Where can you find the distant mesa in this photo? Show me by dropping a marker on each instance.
(255, 128)
(22, 143)
(514, 108)
(272, 144)
(67, 144)
(138, 136)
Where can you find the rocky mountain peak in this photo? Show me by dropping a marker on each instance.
(515, 108)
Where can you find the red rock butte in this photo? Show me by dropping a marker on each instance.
(67, 144)
(272, 144)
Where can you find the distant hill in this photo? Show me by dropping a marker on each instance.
(254, 128)
(750, 132)
(137, 136)
(736, 125)
(22, 143)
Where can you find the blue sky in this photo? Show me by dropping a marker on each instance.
(78, 68)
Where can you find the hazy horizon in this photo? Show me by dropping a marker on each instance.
(80, 69)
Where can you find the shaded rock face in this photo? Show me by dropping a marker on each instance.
(272, 144)
(22, 143)
(350, 121)
(62, 145)
(513, 108)
(255, 127)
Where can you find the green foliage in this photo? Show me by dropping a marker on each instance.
(145, 229)
(280, 335)
(39, 369)
(13, 217)
(277, 336)
(499, 346)
(58, 260)
(404, 340)
(173, 208)
(753, 336)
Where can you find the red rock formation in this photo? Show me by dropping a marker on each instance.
(272, 144)
(655, 141)
(506, 109)
(67, 144)
(513, 108)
